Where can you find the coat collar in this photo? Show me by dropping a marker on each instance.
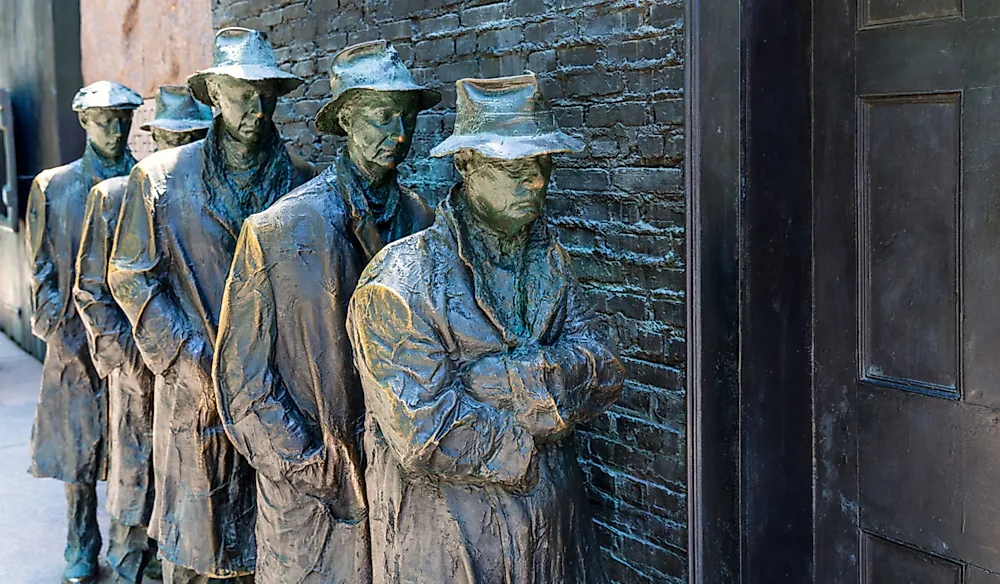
(546, 276)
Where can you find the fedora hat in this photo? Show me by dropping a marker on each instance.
(375, 66)
(177, 111)
(107, 95)
(507, 118)
(245, 54)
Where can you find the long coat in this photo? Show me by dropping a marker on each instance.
(472, 477)
(116, 358)
(286, 384)
(68, 440)
(173, 249)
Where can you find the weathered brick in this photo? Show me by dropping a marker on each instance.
(649, 180)
(629, 114)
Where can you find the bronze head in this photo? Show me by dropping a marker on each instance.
(375, 104)
(105, 111)
(505, 134)
(179, 118)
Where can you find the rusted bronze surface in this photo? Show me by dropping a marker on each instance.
(68, 441)
(182, 211)
(287, 388)
(477, 358)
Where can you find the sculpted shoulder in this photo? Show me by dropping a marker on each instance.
(159, 166)
(408, 263)
(60, 176)
(312, 215)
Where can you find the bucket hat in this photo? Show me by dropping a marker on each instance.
(245, 54)
(374, 65)
(107, 95)
(177, 111)
(506, 117)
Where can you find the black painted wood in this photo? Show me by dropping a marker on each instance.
(749, 212)
(906, 253)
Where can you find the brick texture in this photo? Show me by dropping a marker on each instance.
(614, 72)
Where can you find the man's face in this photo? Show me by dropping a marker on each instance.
(379, 127)
(107, 130)
(505, 194)
(166, 139)
(246, 107)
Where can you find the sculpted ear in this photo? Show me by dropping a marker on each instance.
(212, 86)
(82, 116)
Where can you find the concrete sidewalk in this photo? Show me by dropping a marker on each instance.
(32, 511)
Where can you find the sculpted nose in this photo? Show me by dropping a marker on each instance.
(398, 131)
(257, 107)
(115, 127)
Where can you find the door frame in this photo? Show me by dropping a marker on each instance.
(749, 271)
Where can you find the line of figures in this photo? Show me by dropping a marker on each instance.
(297, 378)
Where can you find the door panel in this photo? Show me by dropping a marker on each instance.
(907, 290)
(887, 562)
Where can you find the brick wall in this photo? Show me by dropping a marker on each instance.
(614, 71)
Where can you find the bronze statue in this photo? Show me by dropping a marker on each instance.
(182, 212)
(179, 118)
(68, 439)
(131, 552)
(478, 357)
(287, 388)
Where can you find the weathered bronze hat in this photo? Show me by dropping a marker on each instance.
(507, 118)
(106, 95)
(374, 65)
(245, 54)
(177, 111)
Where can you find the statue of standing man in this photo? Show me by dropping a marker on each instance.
(182, 212)
(68, 441)
(478, 357)
(287, 388)
(179, 120)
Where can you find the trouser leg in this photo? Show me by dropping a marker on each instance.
(129, 552)
(174, 574)
(154, 570)
(83, 541)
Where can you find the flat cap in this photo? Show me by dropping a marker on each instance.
(107, 95)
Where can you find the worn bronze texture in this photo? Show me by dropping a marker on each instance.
(477, 357)
(115, 356)
(68, 441)
(181, 215)
(179, 118)
(286, 384)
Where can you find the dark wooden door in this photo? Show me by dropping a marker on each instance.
(907, 290)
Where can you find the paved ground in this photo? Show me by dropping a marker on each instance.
(32, 511)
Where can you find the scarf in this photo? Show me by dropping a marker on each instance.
(97, 168)
(373, 228)
(234, 195)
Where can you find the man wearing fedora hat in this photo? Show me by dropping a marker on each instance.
(182, 211)
(477, 359)
(287, 389)
(68, 439)
(179, 120)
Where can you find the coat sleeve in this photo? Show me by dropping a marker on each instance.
(136, 277)
(431, 422)
(259, 415)
(108, 331)
(555, 386)
(46, 302)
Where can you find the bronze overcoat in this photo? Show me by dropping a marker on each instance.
(287, 389)
(173, 249)
(116, 358)
(458, 489)
(68, 440)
